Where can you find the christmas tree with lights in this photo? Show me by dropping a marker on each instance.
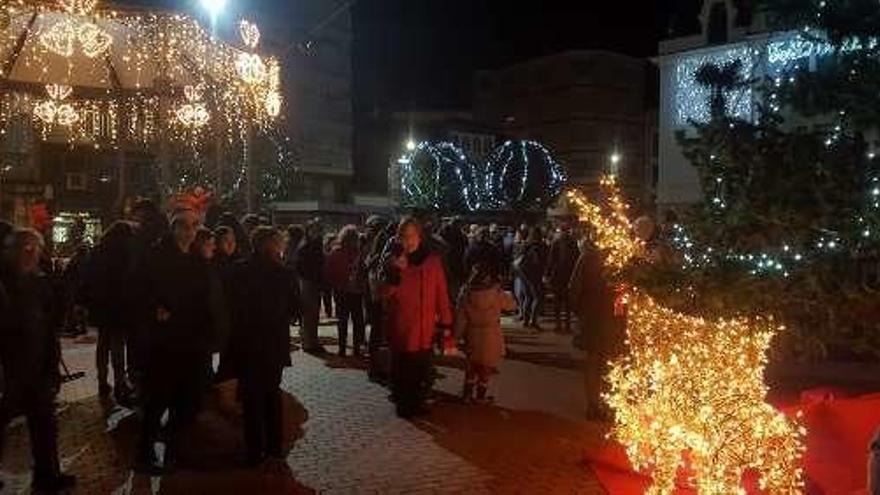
(790, 222)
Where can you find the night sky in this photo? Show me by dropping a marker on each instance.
(421, 54)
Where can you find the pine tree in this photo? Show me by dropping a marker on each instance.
(791, 217)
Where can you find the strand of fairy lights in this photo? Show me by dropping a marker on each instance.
(689, 385)
(147, 47)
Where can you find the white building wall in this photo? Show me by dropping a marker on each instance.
(766, 57)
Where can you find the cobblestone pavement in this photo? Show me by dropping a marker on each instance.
(344, 437)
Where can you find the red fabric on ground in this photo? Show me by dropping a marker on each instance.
(839, 431)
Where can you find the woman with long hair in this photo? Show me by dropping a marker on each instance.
(343, 273)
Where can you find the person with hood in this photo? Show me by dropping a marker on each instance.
(478, 325)
(176, 305)
(310, 270)
(30, 355)
(261, 340)
(344, 275)
(111, 304)
(416, 304)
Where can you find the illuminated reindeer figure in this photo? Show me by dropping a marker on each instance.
(690, 388)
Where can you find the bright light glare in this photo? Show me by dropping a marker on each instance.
(615, 158)
(410, 145)
(214, 7)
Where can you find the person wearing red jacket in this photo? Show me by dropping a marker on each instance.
(416, 304)
(343, 273)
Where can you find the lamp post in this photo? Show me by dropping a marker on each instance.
(614, 160)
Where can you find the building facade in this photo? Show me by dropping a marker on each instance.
(729, 32)
(594, 110)
(313, 38)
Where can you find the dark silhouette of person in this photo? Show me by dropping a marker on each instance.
(30, 354)
(263, 298)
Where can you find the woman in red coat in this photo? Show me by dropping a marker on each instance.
(416, 304)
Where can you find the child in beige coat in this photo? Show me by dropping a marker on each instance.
(478, 325)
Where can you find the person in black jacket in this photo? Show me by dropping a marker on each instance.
(532, 267)
(108, 275)
(261, 339)
(310, 268)
(30, 354)
(176, 305)
(561, 261)
(225, 261)
(152, 226)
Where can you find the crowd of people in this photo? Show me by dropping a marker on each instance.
(167, 295)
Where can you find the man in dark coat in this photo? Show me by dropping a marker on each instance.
(592, 298)
(561, 261)
(151, 226)
(458, 243)
(176, 306)
(261, 340)
(109, 273)
(310, 269)
(30, 354)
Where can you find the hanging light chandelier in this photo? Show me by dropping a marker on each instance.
(62, 37)
(193, 114)
(53, 110)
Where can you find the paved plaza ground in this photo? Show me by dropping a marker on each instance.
(343, 434)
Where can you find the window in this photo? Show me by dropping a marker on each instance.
(717, 32)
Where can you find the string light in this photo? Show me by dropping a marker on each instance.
(61, 37)
(775, 57)
(438, 174)
(53, 111)
(691, 387)
(140, 86)
(193, 114)
(613, 230)
(250, 34)
(695, 386)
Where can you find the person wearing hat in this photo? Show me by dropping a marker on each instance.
(30, 353)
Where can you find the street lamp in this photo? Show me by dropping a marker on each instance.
(615, 162)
